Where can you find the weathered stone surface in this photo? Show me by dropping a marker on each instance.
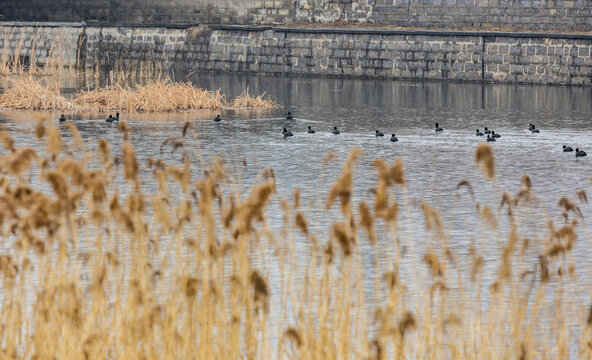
(515, 58)
(527, 15)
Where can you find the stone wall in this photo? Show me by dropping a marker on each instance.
(565, 15)
(40, 45)
(396, 54)
(503, 57)
(151, 12)
(512, 14)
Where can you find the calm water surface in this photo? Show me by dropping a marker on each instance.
(434, 164)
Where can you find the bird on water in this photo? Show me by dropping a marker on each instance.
(287, 133)
(110, 119)
(394, 138)
(335, 131)
(479, 133)
(438, 128)
(567, 148)
(217, 118)
(310, 130)
(534, 130)
(62, 118)
(289, 117)
(378, 133)
(580, 153)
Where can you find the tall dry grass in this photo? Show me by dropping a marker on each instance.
(90, 269)
(33, 93)
(29, 92)
(52, 63)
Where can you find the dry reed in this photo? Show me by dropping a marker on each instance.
(29, 92)
(94, 269)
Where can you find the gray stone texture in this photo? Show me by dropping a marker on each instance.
(523, 58)
(543, 15)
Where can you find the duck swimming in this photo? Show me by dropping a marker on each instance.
(490, 138)
(580, 153)
(486, 131)
(287, 133)
(530, 126)
(289, 117)
(378, 133)
(438, 129)
(479, 133)
(394, 138)
(310, 130)
(567, 148)
(534, 130)
(116, 118)
(335, 131)
(217, 118)
(110, 119)
(495, 136)
(62, 118)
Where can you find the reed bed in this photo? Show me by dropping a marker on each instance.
(29, 92)
(92, 269)
(246, 100)
(33, 93)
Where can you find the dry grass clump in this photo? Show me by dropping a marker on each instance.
(95, 266)
(155, 96)
(247, 101)
(28, 92)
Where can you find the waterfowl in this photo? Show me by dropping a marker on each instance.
(116, 118)
(495, 136)
(287, 133)
(567, 148)
(530, 126)
(479, 133)
(486, 131)
(378, 133)
(335, 131)
(310, 130)
(490, 138)
(580, 153)
(62, 118)
(534, 130)
(217, 118)
(438, 129)
(110, 119)
(394, 138)
(289, 117)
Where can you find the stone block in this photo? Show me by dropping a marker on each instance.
(515, 50)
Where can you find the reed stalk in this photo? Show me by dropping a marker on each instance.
(94, 269)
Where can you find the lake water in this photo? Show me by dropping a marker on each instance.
(434, 163)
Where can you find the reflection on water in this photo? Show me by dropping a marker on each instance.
(434, 164)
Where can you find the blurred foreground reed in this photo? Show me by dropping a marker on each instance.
(91, 271)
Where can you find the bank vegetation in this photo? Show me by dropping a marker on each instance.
(94, 266)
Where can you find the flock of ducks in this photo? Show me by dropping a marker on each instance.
(110, 119)
(491, 134)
